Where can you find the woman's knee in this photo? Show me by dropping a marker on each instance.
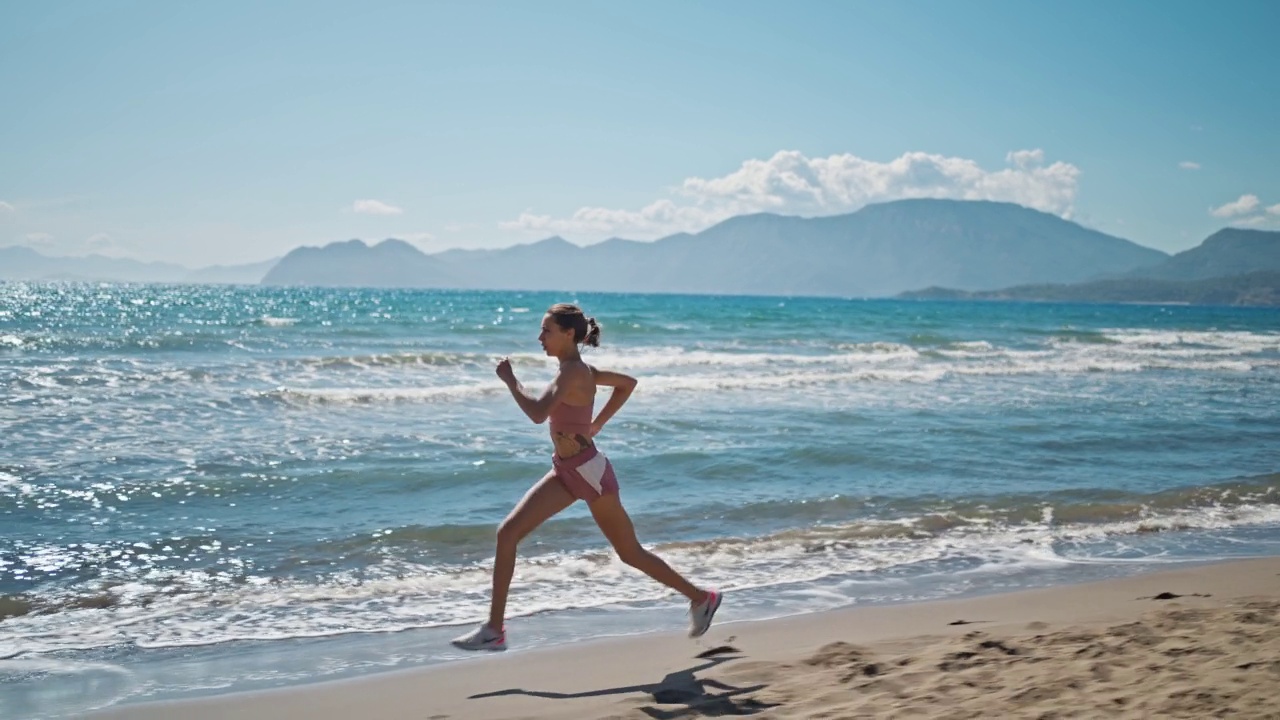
(510, 533)
(633, 555)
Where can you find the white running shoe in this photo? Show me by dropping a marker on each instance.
(482, 638)
(701, 614)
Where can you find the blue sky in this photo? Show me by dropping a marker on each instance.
(231, 132)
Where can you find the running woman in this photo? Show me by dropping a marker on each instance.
(579, 472)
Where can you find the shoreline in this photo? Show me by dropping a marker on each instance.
(769, 666)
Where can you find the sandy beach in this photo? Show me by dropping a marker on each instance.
(1194, 642)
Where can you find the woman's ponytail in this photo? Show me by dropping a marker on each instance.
(593, 333)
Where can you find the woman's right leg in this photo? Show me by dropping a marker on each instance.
(548, 497)
(616, 525)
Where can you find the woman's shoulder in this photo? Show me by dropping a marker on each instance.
(577, 370)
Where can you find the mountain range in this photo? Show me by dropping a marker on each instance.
(954, 248)
(879, 250)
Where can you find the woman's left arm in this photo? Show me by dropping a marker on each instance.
(622, 386)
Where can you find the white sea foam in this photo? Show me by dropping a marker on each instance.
(675, 369)
(446, 375)
(373, 395)
(177, 609)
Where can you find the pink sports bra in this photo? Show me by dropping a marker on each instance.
(571, 419)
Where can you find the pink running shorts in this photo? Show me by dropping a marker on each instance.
(587, 475)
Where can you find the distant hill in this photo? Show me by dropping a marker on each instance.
(1255, 288)
(248, 274)
(879, 250)
(1230, 251)
(390, 263)
(522, 266)
(23, 263)
(1231, 267)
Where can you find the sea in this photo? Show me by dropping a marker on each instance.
(211, 489)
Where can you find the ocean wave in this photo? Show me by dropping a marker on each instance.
(346, 396)
(1244, 340)
(410, 359)
(174, 608)
(677, 369)
(1113, 351)
(134, 342)
(269, 321)
(440, 374)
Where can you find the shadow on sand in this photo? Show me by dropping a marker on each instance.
(683, 687)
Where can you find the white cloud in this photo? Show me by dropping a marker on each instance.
(1188, 165)
(1274, 209)
(1242, 206)
(6, 208)
(375, 207)
(1025, 158)
(791, 183)
(37, 239)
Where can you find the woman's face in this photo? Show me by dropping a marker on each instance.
(554, 339)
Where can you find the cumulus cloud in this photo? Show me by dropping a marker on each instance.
(37, 239)
(1188, 165)
(1274, 209)
(792, 183)
(375, 207)
(1025, 158)
(5, 208)
(1244, 205)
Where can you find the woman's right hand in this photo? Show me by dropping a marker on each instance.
(505, 372)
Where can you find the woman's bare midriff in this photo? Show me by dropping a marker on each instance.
(569, 444)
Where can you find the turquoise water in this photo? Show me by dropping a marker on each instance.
(206, 489)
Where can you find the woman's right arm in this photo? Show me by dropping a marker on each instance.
(537, 408)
